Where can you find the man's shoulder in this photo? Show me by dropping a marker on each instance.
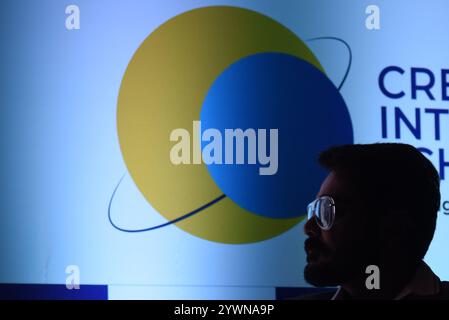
(444, 290)
(326, 295)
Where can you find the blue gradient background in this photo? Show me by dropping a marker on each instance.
(61, 158)
(280, 91)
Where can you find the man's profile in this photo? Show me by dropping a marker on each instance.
(377, 207)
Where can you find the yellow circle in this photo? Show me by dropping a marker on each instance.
(163, 89)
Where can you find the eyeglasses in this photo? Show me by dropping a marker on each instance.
(323, 209)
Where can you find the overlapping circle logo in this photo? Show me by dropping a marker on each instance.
(230, 68)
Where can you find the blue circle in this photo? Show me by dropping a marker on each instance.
(281, 92)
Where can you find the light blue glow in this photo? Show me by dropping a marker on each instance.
(61, 157)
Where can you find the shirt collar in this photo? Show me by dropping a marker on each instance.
(424, 283)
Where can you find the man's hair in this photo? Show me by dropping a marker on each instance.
(392, 177)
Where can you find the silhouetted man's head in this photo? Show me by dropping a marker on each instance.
(385, 199)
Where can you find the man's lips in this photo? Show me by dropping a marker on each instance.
(314, 249)
(313, 255)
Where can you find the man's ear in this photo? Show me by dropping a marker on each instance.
(396, 221)
(397, 231)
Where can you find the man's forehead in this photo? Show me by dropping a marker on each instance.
(336, 186)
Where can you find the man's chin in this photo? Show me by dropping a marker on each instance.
(321, 274)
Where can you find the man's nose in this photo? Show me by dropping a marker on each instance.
(311, 228)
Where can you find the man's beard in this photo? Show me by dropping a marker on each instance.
(328, 268)
(326, 274)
